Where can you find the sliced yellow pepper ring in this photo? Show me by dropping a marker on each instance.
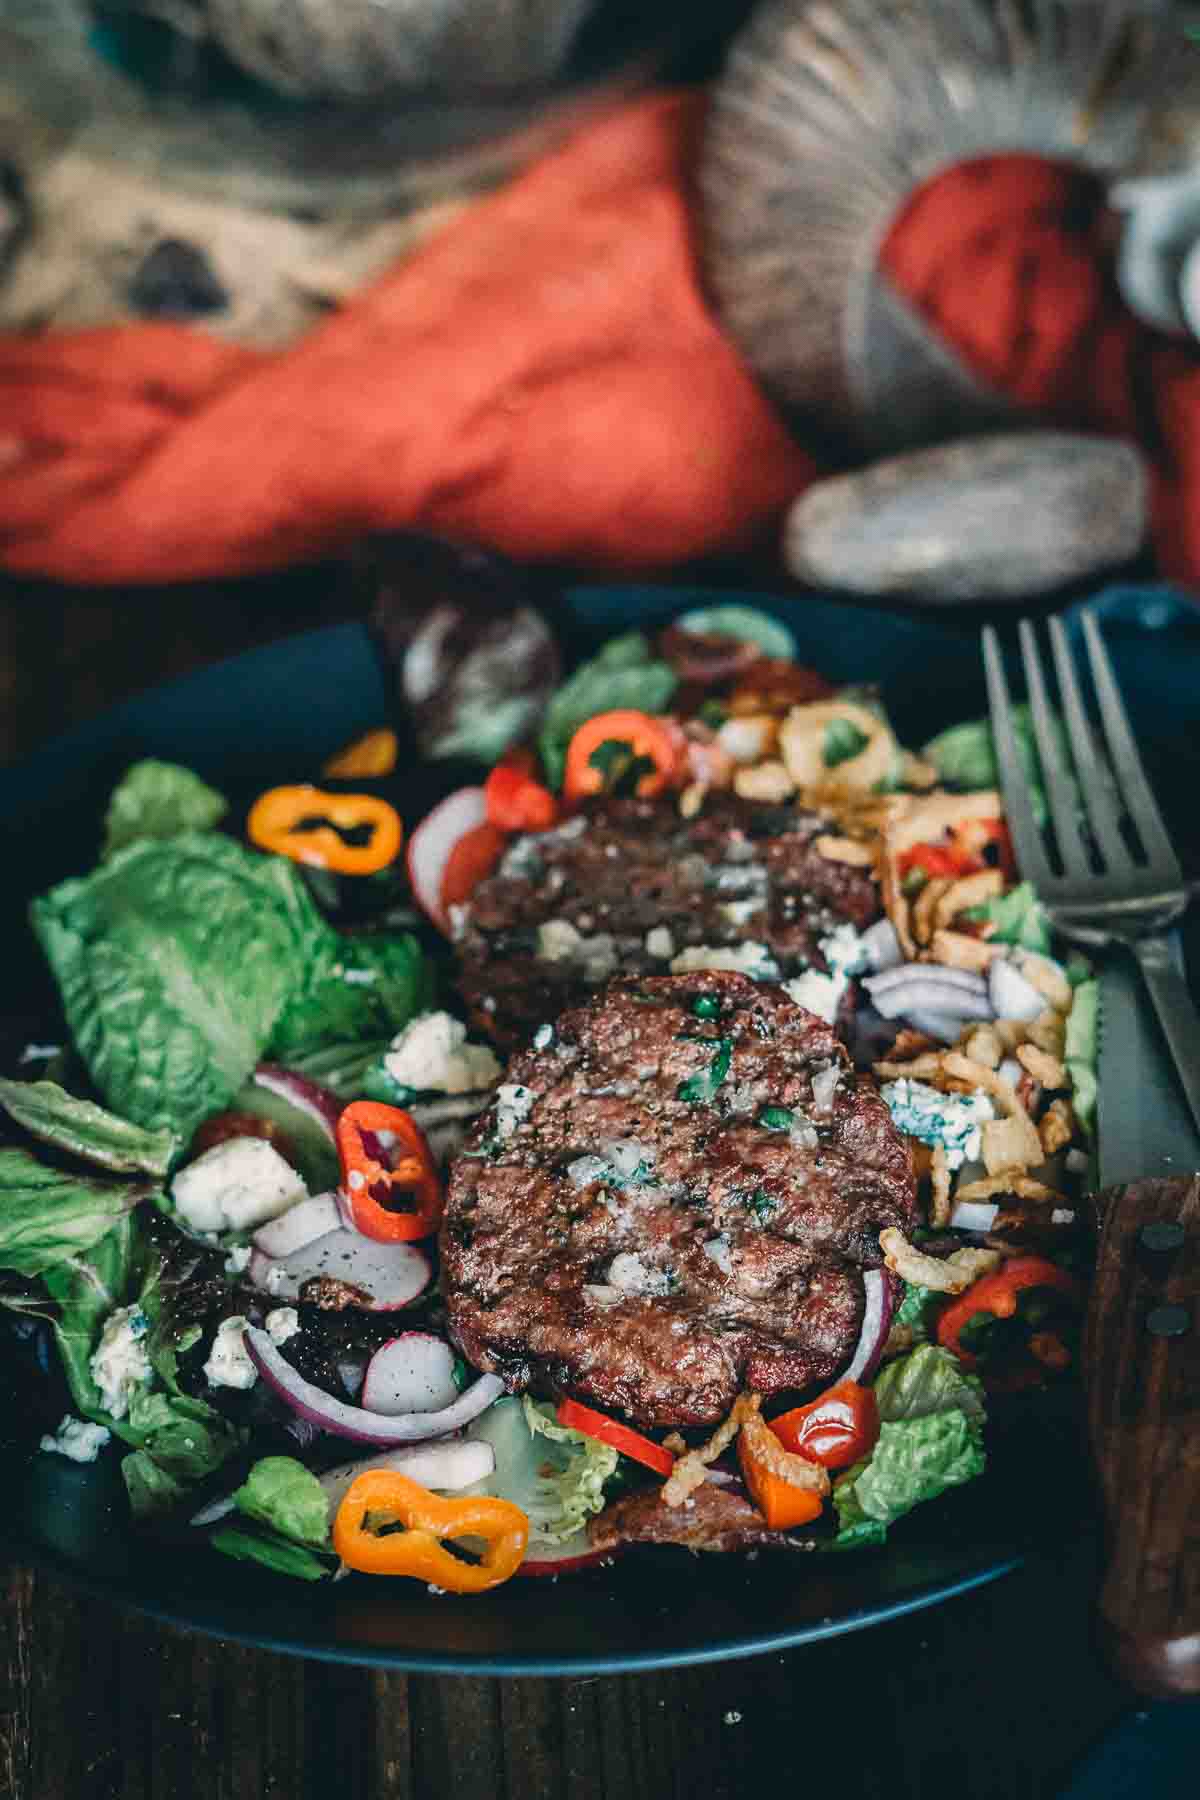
(308, 824)
(380, 1499)
(375, 753)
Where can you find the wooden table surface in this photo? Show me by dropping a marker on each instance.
(993, 1696)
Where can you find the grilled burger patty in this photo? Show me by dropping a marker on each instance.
(673, 1199)
(628, 885)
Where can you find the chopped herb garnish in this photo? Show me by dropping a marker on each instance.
(761, 1204)
(776, 1118)
(704, 1087)
(714, 713)
(706, 1006)
(619, 767)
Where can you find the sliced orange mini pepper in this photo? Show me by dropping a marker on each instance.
(380, 1500)
(313, 827)
(781, 1502)
(389, 1177)
(636, 737)
(375, 753)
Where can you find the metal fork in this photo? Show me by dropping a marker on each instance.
(1104, 895)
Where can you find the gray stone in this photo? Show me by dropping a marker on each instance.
(998, 517)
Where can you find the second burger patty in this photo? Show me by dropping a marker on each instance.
(627, 886)
(671, 1200)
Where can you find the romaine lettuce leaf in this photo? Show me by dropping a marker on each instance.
(283, 1495)
(1019, 918)
(48, 1216)
(159, 800)
(85, 1289)
(624, 674)
(358, 988)
(176, 960)
(1081, 1051)
(272, 1551)
(555, 1475)
(911, 1310)
(930, 1439)
(965, 756)
(79, 1127)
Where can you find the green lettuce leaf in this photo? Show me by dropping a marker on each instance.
(159, 800)
(965, 756)
(175, 961)
(745, 623)
(343, 1068)
(85, 1130)
(624, 674)
(1081, 1051)
(283, 1495)
(1019, 918)
(930, 1439)
(555, 1475)
(176, 1440)
(272, 1551)
(358, 988)
(911, 1310)
(49, 1216)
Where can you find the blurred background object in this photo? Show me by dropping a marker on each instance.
(248, 164)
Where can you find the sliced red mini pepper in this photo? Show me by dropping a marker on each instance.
(516, 802)
(615, 746)
(838, 1428)
(964, 851)
(619, 1437)
(389, 1177)
(997, 1294)
(314, 827)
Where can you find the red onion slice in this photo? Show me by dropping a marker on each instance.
(300, 1225)
(354, 1422)
(410, 1373)
(431, 843)
(450, 1466)
(907, 973)
(319, 1103)
(882, 1291)
(930, 995)
(390, 1275)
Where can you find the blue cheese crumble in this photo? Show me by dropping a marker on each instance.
(229, 1362)
(120, 1363)
(77, 1440)
(751, 959)
(822, 993)
(952, 1120)
(432, 1055)
(514, 1104)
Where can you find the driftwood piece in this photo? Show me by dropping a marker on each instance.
(998, 517)
(1141, 1366)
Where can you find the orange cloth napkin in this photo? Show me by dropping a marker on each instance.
(543, 378)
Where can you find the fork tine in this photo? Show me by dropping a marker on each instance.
(1095, 780)
(1127, 764)
(1027, 839)
(1061, 793)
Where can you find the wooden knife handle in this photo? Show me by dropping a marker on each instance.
(1141, 1364)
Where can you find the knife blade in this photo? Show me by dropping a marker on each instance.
(1143, 1125)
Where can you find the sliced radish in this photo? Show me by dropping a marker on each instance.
(216, 1509)
(565, 1559)
(882, 1291)
(1012, 996)
(300, 1225)
(974, 1215)
(319, 1103)
(390, 1275)
(411, 1373)
(335, 1416)
(433, 841)
(451, 1466)
(923, 973)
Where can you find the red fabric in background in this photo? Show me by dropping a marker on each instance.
(1009, 259)
(543, 377)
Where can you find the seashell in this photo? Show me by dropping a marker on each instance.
(351, 49)
(830, 113)
(999, 517)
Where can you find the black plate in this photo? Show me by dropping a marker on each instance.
(275, 713)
